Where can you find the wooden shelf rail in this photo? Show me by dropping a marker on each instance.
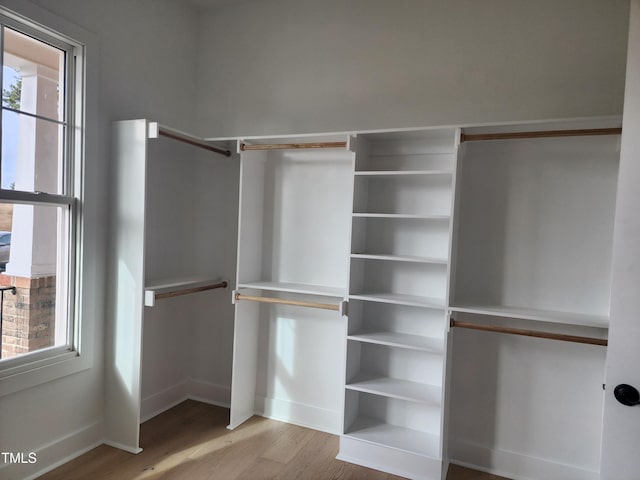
(475, 137)
(529, 333)
(165, 132)
(290, 146)
(187, 291)
(280, 301)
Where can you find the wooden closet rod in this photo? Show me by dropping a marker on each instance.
(297, 303)
(474, 137)
(187, 291)
(181, 138)
(284, 146)
(529, 333)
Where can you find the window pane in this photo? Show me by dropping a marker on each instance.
(33, 84)
(36, 76)
(36, 263)
(32, 153)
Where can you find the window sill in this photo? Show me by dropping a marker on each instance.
(37, 372)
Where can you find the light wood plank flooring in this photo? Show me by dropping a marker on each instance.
(191, 442)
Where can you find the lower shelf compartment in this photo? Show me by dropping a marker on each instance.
(401, 340)
(374, 431)
(394, 423)
(396, 388)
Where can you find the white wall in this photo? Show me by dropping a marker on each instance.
(298, 66)
(216, 184)
(147, 59)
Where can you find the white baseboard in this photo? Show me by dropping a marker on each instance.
(211, 393)
(299, 414)
(390, 460)
(56, 453)
(164, 400)
(189, 389)
(513, 465)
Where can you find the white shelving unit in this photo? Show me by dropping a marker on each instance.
(409, 227)
(396, 343)
(293, 245)
(160, 251)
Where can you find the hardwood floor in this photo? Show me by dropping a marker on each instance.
(191, 442)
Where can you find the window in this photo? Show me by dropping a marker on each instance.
(39, 194)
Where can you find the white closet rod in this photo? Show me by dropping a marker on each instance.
(474, 137)
(529, 333)
(280, 301)
(191, 141)
(187, 291)
(291, 146)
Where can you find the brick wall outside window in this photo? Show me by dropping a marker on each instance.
(28, 317)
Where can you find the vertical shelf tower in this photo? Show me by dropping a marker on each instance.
(395, 375)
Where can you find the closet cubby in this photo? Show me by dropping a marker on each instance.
(406, 426)
(401, 237)
(535, 228)
(408, 151)
(294, 227)
(399, 326)
(412, 193)
(402, 373)
(400, 280)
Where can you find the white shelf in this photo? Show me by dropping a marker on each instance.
(393, 173)
(156, 289)
(374, 431)
(395, 388)
(401, 340)
(300, 288)
(400, 258)
(400, 299)
(401, 215)
(550, 316)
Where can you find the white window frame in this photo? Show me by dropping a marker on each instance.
(44, 365)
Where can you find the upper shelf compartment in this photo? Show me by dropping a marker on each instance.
(535, 228)
(413, 195)
(295, 214)
(402, 153)
(405, 173)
